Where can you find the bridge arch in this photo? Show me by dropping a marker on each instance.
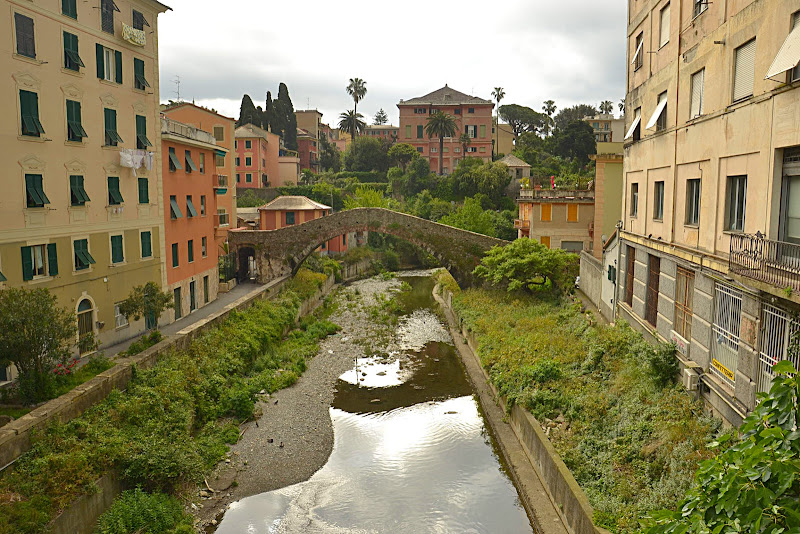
(281, 252)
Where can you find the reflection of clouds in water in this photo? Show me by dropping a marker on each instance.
(425, 468)
(420, 328)
(392, 374)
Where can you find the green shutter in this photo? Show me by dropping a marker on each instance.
(118, 65)
(190, 207)
(483, 131)
(27, 263)
(173, 159)
(76, 131)
(72, 59)
(190, 250)
(2, 277)
(79, 196)
(142, 141)
(29, 113)
(144, 191)
(114, 194)
(175, 210)
(101, 68)
(175, 261)
(52, 259)
(190, 166)
(147, 247)
(138, 73)
(69, 8)
(84, 259)
(419, 131)
(112, 136)
(35, 191)
(117, 255)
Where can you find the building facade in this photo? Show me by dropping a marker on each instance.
(382, 131)
(308, 151)
(473, 117)
(606, 128)
(710, 171)
(291, 210)
(256, 152)
(607, 193)
(557, 218)
(81, 215)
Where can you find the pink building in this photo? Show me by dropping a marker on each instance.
(308, 150)
(257, 153)
(382, 131)
(291, 210)
(473, 116)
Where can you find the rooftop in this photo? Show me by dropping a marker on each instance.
(251, 130)
(445, 96)
(513, 161)
(175, 105)
(290, 202)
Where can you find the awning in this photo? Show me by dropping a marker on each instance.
(174, 209)
(638, 51)
(789, 55)
(190, 208)
(657, 113)
(190, 166)
(221, 153)
(2, 278)
(633, 127)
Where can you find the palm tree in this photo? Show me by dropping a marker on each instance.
(441, 125)
(498, 94)
(357, 88)
(549, 108)
(350, 122)
(606, 106)
(621, 106)
(465, 140)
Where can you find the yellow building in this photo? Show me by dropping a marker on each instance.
(505, 139)
(712, 189)
(81, 212)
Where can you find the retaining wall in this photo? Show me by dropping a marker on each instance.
(591, 278)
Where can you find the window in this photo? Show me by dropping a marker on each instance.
(664, 26)
(471, 130)
(744, 71)
(470, 110)
(794, 74)
(699, 7)
(658, 201)
(572, 213)
(203, 205)
(174, 164)
(420, 149)
(114, 195)
(223, 217)
(737, 200)
(238, 178)
(236, 144)
(289, 218)
(238, 162)
(344, 239)
(659, 117)
(472, 149)
(483, 131)
(696, 105)
(638, 56)
(434, 150)
(420, 110)
(684, 290)
(75, 131)
(175, 259)
(693, 202)
(190, 166)
(545, 240)
(139, 22)
(635, 130)
(72, 59)
(457, 111)
(204, 247)
(144, 191)
(142, 142)
(39, 260)
(629, 274)
(202, 163)
(725, 332)
(248, 177)
(119, 319)
(147, 244)
(190, 211)
(248, 162)
(653, 282)
(139, 80)
(69, 8)
(109, 64)
(26, 45)
(219, 133)
(408, 130)
(174, 209)
(83, 259)
(192, 296)
(634, 200)
(117, 249)
(190, 250)
(112, 137)
(248, 144)
(29, 114)
(107, 8)
(419, 131)
(77, 193)
(34, 191)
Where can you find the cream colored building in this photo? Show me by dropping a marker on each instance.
(712, 188)
(607, 129)
(81, 85)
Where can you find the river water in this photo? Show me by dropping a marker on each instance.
(411, 451)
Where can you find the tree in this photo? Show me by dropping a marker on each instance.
(402, 154)
(367, 197)
(330, 159)
(380, 118)
(498, 93)
(357, 89)
(285, 109)
(752, 486)
(146, 301)
(308, 177)
(522, 119)
(471, 216)
(474, 176)
(268, 115)
(36, 336)
(575, 141)
(621, 106)
(549, 108)
(574, 113)
(606, 106)
(350, 122)
(366, 154)
(465, 140)
(525, 264)
(440, 125)
(248, 113)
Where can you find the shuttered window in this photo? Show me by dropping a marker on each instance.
(82, 257)
(144, 191)
(408, 131)
(174, 164)
(174, 209)
(72, 60)
(39, 260)
(117, 250)
(109, 64)
(112, 137)
(744, 71)
(75, 131)
(34, 191)
(419, 131)
(142, 141)
(664, 27)
(547, 212)
(107, 8)
(69, 8)
(795, 72)
(483, 131)
(545, 240)
(114, 194)
(78, 196)
(139, 22)
(29, 114)
(147, 246)
(190, 166)
(26, 46)
(572, 213)
(696, 106)
(190, 209)
(140, 81)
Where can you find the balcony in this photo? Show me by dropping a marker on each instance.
(521, 224)
(529, 195)
(220, 183)
(222, 219)
(169, 126)
(776, 263)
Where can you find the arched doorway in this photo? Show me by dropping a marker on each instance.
(85, 326)
(247, 265)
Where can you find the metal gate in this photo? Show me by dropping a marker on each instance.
(777, 329)
(725, 331)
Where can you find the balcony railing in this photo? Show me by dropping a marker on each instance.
(775, 262)
(521, 224)
(169, 126)
(222, 219)
(220, 181)
(561, 194)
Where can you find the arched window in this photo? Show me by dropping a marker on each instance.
(85, 326)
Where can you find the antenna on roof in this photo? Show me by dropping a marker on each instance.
(177, 82)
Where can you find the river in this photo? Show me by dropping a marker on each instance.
(411, 451)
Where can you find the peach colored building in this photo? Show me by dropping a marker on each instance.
(473, 116)
(290, 210)
(308, 150)
(382, 131)
(190, 215)
(223, 129)
(557, 218)
(257, 157)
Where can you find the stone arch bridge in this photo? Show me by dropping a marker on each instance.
(281, 252)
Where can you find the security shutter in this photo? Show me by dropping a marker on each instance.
(744, 75)
(698, 79)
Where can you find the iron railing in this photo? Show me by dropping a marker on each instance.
(227, 267)
(521, 223)
(220, 180)
(774, 262)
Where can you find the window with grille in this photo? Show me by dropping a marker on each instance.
(725, 332)
(629, 274)
(779, 329)
(653, 282)
(684, 291)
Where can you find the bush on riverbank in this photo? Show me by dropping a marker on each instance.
(172, 424)
(632, 442)
(138, 512)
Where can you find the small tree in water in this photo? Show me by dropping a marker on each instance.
(146, 301)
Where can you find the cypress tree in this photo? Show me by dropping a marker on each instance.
(289, 121)
(247, 112)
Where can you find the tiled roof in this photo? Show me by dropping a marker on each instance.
(293, 203)
(513, 161)
(445, 96)
(251, 130)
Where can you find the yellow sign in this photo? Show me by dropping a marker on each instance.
(722, 369)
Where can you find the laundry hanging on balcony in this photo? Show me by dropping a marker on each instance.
(135, 159)
(133, 36)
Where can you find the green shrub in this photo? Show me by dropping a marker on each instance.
(391, 260)
(663, 364)
(143, 343)
(137, 512)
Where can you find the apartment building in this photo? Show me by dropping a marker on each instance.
(257, 152)
(224, 185)
(291, 210)
(711, 181)
(607, 129)
(473, 116)
(382, 131)
(308, 150)
(557, 218)
(81, 213)
(503, 135)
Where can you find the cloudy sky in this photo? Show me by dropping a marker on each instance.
(570, 51)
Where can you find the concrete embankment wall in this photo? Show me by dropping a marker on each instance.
(562, 488)
(591, 278)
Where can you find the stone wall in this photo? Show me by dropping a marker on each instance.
(591, 278)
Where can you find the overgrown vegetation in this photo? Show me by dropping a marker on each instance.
(631, 437)
(139, 512)
(175, 420)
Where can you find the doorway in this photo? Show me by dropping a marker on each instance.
(85, 326)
